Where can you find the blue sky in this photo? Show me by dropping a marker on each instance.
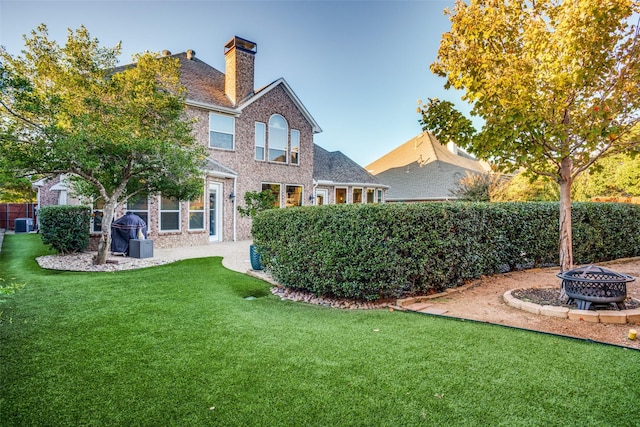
(359, 67)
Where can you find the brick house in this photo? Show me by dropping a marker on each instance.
(257, 139)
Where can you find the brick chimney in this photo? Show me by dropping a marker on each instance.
(239, 62)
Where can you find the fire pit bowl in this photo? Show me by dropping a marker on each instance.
(593, 284)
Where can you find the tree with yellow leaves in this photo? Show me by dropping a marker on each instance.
(557, 84)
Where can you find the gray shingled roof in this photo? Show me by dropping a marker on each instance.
(423, 169)
(338, 168)
(215, 168)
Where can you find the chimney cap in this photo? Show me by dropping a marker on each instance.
(240, 43)
(191, 54)
(166, 53)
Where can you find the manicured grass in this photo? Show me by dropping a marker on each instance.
(178, 345)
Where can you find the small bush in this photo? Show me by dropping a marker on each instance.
(381, 251)
(65, 228)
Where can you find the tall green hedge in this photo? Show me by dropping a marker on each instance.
(65, 228)
(378, 251)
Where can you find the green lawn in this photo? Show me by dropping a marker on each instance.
(178, 345)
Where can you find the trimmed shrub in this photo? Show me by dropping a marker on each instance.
(379, 251)
(65, 228)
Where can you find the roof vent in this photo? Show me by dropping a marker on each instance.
(166, 53)
(191, 54)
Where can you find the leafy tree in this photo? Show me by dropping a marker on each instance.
(117, 132)
(557, 84)
(615, 176)
(15, 190)
(526, 188)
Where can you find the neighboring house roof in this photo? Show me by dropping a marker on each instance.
(335, 168)
(205, 89)
(423, 169)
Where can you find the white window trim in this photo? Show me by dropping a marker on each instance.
(135, 211)
(366, 195)
(233, 133)
(362, 194)
(160, 211)
(93, 210)
(202, 211)
(279, 192)
(325, 196)
(346, 195)
(301, 194)
(291, 131)
(286, 145)
(264, 141)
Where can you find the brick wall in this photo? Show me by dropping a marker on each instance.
(252, 173)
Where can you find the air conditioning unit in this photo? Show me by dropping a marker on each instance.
(23, 225)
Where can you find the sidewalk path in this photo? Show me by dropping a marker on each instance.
(235, 255)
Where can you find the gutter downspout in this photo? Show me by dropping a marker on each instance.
(315, 185)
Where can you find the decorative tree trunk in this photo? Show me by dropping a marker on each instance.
(566, 251)
(105, 238)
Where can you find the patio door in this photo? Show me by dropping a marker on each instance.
(215, 212)
(321, 197)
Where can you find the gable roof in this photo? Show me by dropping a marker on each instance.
(423, 169)
(266, 89)
(335, 168)
(205, 89)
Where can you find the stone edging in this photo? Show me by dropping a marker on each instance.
(594, 316)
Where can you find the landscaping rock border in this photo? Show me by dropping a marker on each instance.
(594, 316)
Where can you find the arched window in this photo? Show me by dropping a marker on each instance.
(278, 139)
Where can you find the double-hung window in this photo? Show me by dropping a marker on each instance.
(169, 214)
(370, 195)
(295, 147)
(261, 139)
(278, 136)
(294, 195)
(140, 207)
(356, 197)
(221, 131)
(196, 214)
(275, 190)
(97, 215)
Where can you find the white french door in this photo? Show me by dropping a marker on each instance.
(215, 212)
(322, 197)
